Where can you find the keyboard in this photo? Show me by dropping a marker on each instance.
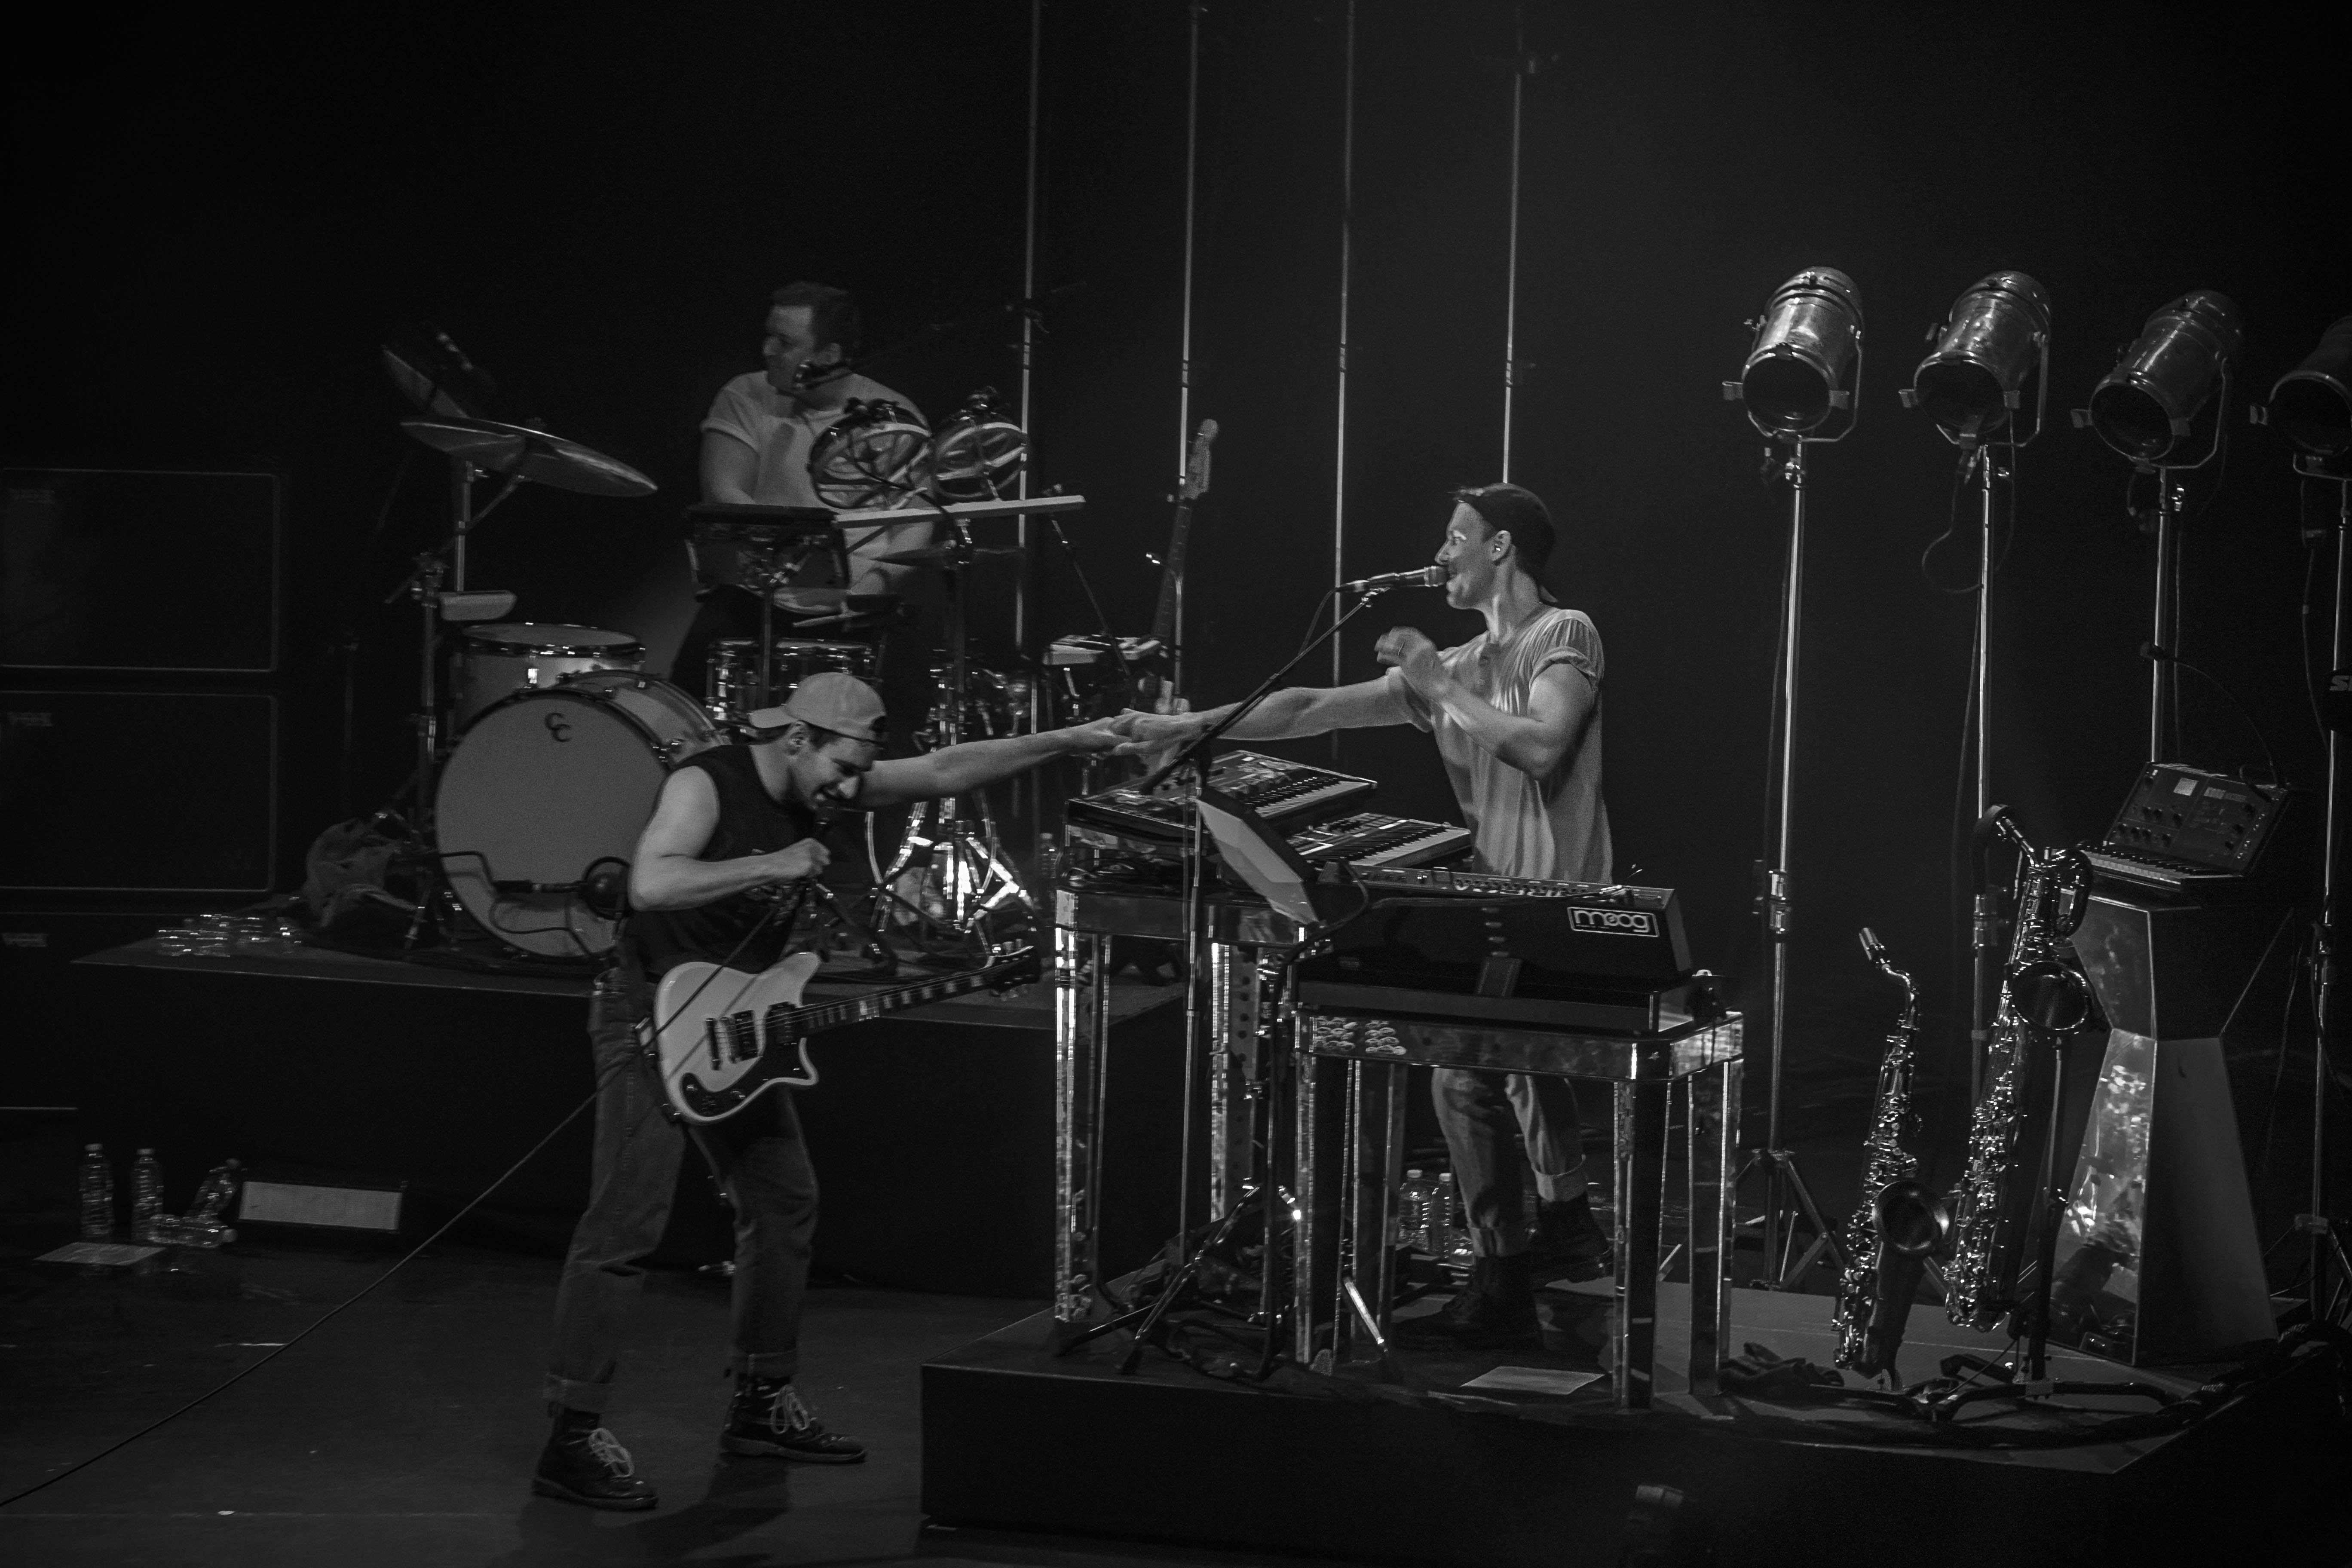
(2154, 871)
(1372, 840)
(1440, 881)
(1287, 795)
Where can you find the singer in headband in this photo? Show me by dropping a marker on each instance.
(756, 444)
(1515, 713)
(734, 826)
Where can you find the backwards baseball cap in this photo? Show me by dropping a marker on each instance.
(829, 700)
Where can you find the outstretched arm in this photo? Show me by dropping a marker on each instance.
(1558, 708)
(1289, 714)
(952, 770)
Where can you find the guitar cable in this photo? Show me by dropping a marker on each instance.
(604, 1076)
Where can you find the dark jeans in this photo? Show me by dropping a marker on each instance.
(762, 1166)
(1484, 1115)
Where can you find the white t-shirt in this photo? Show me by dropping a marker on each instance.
(782, 432)
(1554, 827)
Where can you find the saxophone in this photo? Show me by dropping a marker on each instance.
(2041, 996)
(1874, 1293)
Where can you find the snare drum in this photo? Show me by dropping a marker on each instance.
(496, 662)
(546, 785)
(732, 687)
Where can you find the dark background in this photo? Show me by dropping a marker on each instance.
(213, 219)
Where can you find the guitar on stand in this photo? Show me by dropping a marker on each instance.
(1159, 689)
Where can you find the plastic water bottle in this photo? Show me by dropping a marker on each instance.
(146, 1196)
(213, 1198)
(97, 1193)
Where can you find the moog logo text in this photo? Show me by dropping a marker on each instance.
(1614, 923)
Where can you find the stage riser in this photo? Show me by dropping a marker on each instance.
(1223, 1467)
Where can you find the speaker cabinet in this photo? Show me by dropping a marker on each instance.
(123, 571)
(138, 792)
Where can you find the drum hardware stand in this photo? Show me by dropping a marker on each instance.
(964, 867)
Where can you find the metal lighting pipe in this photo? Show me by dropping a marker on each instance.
(1184, 350)
(1973, 385)
(1196, 945)
(2145, 408)
(1024, 609)
(1347, 238)
(1520, 70)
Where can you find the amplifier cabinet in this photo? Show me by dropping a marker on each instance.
(138, 792)
(130, 572)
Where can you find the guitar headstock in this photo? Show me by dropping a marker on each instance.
(1016, 969)
(1196, 466)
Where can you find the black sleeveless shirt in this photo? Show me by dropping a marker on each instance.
(750, 821)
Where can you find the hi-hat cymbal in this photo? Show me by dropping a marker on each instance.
(499, 449)
(930, 553)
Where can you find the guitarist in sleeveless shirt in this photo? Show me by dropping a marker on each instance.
(735, 830)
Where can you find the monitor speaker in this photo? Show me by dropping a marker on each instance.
(138, 792)
(125, 572)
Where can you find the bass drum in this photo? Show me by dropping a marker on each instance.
(549, 786)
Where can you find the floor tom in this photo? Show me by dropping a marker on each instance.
(497, 661)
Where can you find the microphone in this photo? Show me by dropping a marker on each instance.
(1425, 577)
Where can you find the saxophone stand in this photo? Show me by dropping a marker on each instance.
(2029, 1376)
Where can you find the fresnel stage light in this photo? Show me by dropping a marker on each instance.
(1997, 335)
(2145, 407)
(1806, 361)
(2310, 406)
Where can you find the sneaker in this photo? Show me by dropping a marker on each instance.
(1569, 1242)
(767, 1416)
(1496, 1310)
(585, 1464)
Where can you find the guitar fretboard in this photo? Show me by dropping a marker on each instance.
(782, 1018)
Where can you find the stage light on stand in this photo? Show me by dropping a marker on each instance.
(2310, 406)
(876, 455)
(1973, 383)
(979, 452)
(1973, 386)
(2145, 407)
(1805, 363)
(1801, 383)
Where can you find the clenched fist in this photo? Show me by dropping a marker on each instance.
(799, 861)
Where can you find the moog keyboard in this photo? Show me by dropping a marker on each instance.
(1287, 794)
(1468, 946)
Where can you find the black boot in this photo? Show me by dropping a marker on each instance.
(767, 1416)
(583, 1463)
(1496, 1310)
(1569, 1242)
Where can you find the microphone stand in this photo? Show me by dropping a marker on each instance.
(1264, 1193)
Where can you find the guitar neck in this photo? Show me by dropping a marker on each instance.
(889, 999)
(1171, 578)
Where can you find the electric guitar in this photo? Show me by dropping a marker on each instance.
(720, 1037)
(1156, 689)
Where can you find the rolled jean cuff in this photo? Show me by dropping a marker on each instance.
(573, 1394)
(1509, 1242)
(1564, 1187)
(766, 1363)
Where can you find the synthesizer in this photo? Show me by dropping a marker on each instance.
(1287, 794)
(2188, 831)
(1372, 840)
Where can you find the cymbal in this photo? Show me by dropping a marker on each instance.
(930, 553)
(500, 448)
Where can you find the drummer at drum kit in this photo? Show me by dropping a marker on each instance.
(757, 440)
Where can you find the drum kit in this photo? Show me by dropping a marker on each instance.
(542, 746)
